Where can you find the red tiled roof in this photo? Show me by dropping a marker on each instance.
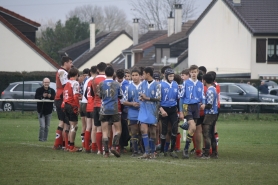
(29, 42)
(33, 23)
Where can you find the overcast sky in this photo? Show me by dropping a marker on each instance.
(43, 10)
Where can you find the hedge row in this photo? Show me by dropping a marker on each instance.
(8, 77)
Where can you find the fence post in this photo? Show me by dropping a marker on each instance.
(259, 106)
(22, 111)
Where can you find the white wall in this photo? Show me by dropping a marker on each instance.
(110, 52)
(16, 55)
(220, 41)
(261, 68)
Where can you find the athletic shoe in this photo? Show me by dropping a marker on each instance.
(144, 156)
(173, 154)
(115, 152)
(134, 155)
(75, 149)
(193, 151)
(153, 156)
(205, 157)
(162, 154)
(57, 147)
(106, 155)
(198, 156)
(185, 154)
(184, 126)
(99, 152)
(214, 155)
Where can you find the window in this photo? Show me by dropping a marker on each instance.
(34, 87)
(178, 48)
(261, 51)
(19, 87)
(234, 89)
(223, 88)
(272, 50)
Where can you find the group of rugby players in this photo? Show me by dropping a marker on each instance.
(141, 108)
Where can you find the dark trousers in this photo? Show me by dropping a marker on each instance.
(125, 137)
(208, 132)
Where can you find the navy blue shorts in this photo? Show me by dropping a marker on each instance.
(191, 111)
(133, 122)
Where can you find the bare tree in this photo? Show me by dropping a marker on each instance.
(50, 23)
(157, 11)
(109, 18)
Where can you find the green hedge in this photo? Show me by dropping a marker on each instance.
(8, 77)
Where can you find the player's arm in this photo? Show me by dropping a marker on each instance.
(76, 94)
(63, 77)
(157, 97)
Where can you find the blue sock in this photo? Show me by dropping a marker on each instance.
(188, 141)
(167, 144)
(152, 145)
(145, 138)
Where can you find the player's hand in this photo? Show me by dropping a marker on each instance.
(135, 104)
(181, 116)
(48, 95)
(164, 114)
(202, 107)
(143, 96)
(44, 95)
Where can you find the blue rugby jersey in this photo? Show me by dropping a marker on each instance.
(169, 94)
(109, 91)
(124, 85)
(132, 95)
(148, 112)
(192, 92)
(212, 98)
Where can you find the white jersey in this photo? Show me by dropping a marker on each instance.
(84, 100)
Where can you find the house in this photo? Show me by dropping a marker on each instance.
(141, 47)
(237, 38)
(103, 47)
(18, 50)
(169, 49)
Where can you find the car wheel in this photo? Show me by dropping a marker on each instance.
(7, 106)
(254, 108)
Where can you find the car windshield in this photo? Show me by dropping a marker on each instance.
(249, 88)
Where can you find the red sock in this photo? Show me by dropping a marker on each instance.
(178, 142)
(99, 141)
(66, 138)
(193, 140)
(198, 152)
(87, 140)
(210, 151)
(94, 147)
(58, 139)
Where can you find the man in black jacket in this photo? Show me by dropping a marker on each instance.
(44, 108)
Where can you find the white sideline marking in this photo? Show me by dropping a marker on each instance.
(30, 144)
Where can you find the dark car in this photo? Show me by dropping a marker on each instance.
(15, 91)
(225, 107)
(270, 83)
(240, 92)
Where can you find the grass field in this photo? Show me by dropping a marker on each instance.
(248, 150)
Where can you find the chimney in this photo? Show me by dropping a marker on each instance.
(135, 31)
(237, 2)
(151, 27)
(178, 17)
(171, 24)
(92, 34)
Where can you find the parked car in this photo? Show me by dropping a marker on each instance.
(274, 91)
(15, 91)
(240, 92)
(225, 107)
(270, 84)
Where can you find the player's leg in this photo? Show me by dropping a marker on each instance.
(214, 141)
(144, 128)
(88, 129)
(168, 137)
(97, 123)
(152, 129)
(104, 127)
(198, 137)
(118, 130)
(208, 134)
(134, 130)
(174, 124)
(164, 133)
(93, 138)
(59, 137)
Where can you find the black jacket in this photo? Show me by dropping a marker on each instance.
(45, 107)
